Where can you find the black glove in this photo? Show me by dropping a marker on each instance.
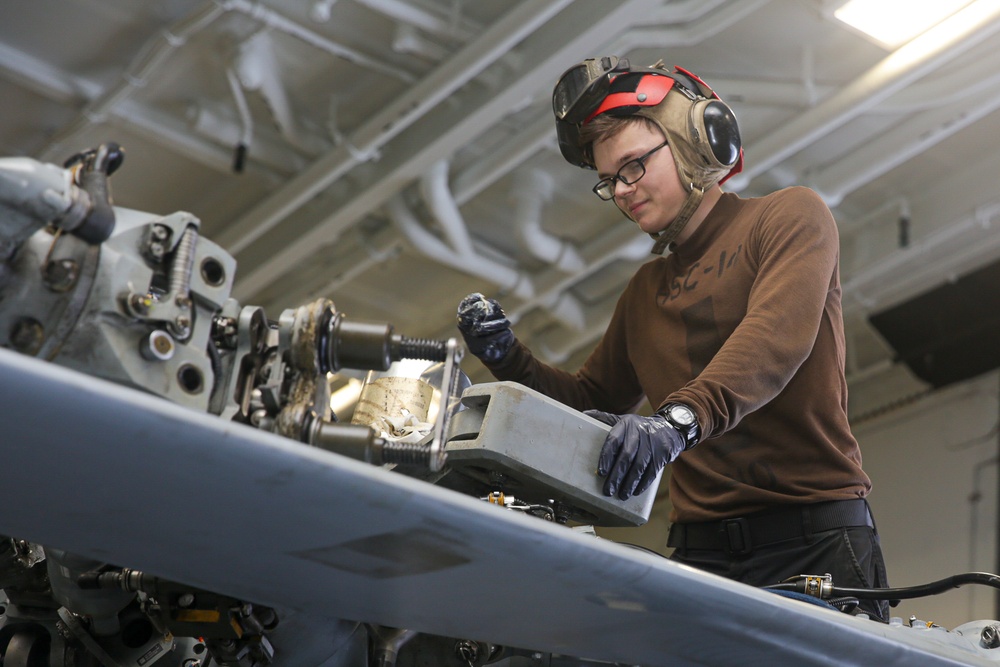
(635, 451)
(485, 328)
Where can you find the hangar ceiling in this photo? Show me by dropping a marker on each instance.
(394, 155)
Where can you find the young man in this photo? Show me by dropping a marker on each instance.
(736, 337)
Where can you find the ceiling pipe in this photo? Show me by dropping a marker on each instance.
(505, 277)
(560, 354)
(258, 71)
(925, 53)
(967, 82)
(589, 22)
(441, 204)
(964, 83)
(568, 310)
(898, 145)
(46, 80)
(365, 142)
(876, 158)
(849, 227)
(683, 11)
(408, 41)
(477, 177)
(770, 94)
(135, 76)
(634, 250)
(435, 191)
(410, 13)
(156, 125)
(373, 257)
(272, 19)
(529, 200)
(694, 31)
(869, 288)
(205, 131)
(158, 50)
(531, 191)
(320, 10)
(246, 119)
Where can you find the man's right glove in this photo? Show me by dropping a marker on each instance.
(485, 328)
(635, 451)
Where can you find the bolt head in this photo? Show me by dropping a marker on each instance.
(61, 275)
(27, 336)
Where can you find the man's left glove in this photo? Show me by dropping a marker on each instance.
(635, 451)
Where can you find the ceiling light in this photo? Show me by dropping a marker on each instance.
(893, 22)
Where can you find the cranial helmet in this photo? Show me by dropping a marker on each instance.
(700, 128)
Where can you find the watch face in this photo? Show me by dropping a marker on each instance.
(682, 415)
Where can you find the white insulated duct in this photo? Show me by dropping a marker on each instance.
(451, 75)
(436, 192)
(546, 61)
(506, 277)
(531, 191)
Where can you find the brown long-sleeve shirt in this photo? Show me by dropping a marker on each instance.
(742, 323)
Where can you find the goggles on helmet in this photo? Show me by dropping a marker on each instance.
(582, 87)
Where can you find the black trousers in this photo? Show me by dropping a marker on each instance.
(851, 554)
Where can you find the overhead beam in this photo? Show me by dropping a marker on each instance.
(436, 135)
(365, 143)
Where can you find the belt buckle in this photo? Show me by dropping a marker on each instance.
(736, 537)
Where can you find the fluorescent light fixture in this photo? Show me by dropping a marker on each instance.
(893, 22)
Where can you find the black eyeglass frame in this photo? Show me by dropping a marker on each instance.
(610, 182)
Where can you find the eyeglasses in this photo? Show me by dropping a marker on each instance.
(629, 174)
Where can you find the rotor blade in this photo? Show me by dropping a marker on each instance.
(128, 478)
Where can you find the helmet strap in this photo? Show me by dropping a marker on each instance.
(667, 236)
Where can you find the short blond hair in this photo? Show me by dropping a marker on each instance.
(606, 126)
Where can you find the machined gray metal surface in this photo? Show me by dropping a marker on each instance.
(82, 324)
(121, 476)
(542, 449)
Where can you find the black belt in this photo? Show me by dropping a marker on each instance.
(739, 536)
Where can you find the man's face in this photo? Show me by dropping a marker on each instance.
(655, 199)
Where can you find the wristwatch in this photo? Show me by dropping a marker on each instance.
(683, 419)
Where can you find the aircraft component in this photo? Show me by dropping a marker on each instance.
(514, 441)
(143, 301)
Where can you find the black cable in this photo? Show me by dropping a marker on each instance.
(906, 593)
(846, 605)
(996, 598)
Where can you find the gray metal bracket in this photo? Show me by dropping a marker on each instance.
(539, 451)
